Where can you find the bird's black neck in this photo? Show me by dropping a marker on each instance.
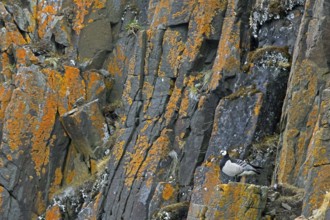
(224, 160)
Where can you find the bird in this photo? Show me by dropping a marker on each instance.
(236, 167)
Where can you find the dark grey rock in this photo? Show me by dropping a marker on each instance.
(9, 174)
(10, 206)
(95, 86)
(180, 12)
(132, 116)
(19, 17)
(172, 50)
(235, 123)
(117, 65)
(115, 9)
(154, 54)
(139, 54)
(281, 32)
(157, 107)
(191, 157)
(87, 128)
(162, 87)
(95, 38)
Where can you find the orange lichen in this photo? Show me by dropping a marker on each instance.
(127, 90)
(229, 47)
(201, 102)
(72, 87)
(99, 4)
(118, 150)
(320, 185)
(45, 13)
(168, 191)
(9, 157)
(94, 87)
(41, 133)
(258, 105)
(173, 105)
(55, 185)
(139, 163)
(21, 55)
(15, 123)
(83, 8)
(212, 179)
(287, 155)
(183, 112)
(5, 96)
(12, 36)
(40, 203)
(148, 90)
(135, 159)
(161, 13)
(1, 196)
(205, 12)
(177, 47)
(295, 140)
(186, 8)
(115, 64)
(53, 213)
(201, 23)
(81, 12)
(70, 176)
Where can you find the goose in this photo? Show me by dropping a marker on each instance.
(237, 167)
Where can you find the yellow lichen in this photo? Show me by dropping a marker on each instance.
(168, 191)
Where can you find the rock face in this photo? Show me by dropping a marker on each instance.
(115, 109)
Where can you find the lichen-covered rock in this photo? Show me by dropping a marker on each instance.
(173, 211)
(87, 128)
(53, 213)
(165, 194)
(97, 86)
(95, 38)
(304, 159)
(212, 200)
(176, 81)
(323, 212)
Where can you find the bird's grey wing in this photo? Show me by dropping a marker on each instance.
(245, 166)
(232, 169)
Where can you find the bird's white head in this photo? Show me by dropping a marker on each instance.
(223, 152)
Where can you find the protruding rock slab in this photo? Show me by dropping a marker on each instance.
(165, 194)
(87, 128)
(10, 207)
(211, 200)
(95, 37)
(236, 120)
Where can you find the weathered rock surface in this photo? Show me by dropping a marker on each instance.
(304, 157)
(88, 130)
(115, 109)
(211, 200)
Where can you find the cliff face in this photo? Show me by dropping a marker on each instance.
(115, 109)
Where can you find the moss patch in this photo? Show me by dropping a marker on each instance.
(242, 92)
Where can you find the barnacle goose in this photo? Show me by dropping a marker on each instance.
(237, 167)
